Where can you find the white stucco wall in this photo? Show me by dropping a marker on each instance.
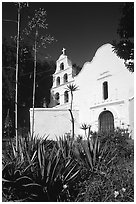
(53, 122)
(105, 66)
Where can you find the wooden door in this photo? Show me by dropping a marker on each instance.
(106, 121)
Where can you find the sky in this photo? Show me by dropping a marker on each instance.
(80, 27)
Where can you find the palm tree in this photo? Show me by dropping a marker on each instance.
(71, 88)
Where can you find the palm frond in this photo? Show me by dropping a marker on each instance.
(72, 87)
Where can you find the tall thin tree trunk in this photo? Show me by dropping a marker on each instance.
(71, 113)
(71, 100)
(16, 94)
(72, 122)
(35, 61)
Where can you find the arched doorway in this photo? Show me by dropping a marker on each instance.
(106, 121)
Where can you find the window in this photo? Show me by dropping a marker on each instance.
(57, 98)
(105, 90)
(62, 66)
(66, 97)
(58, 81)
(65, 78)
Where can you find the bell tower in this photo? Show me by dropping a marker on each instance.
(61, 78)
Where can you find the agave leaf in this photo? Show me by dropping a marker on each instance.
(88, 155)
(90, 143)
(68, 163)
(30, 165)
(73, 176)
(7, 166)
(17, 173)
(43, 149)
(52, 153)
(53, 168)
(41, 160)
(43, 153)
(33, 157)
(32, 185)
(57, 160)
(33, 188)
(23, 180)
(39, 156)
(48, 171)
(89, 131)
(28, 157)
(13, 150)
(98, 148)
(65, 178)
(50, 162)
(95, 150)
(34, 195)
(68, 166)
(21, 200)
(89, 159)
(7, 181)
(21, 151)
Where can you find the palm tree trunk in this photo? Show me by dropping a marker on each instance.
(71, 100)
(72, 122)
(71, 113)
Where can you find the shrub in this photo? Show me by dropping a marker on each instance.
(112, 179)
(119, 140)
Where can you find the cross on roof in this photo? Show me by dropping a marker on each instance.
(63, 51)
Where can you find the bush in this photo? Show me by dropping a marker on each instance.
(119, 140)
(117, 184)
(114, 179)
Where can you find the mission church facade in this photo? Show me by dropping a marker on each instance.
(104, 99)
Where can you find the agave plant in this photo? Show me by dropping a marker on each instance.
(44, 175)
(94, 155)
(19, 169)
(56, 173)
(66, 146)
(15, 179)
(15, 184)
